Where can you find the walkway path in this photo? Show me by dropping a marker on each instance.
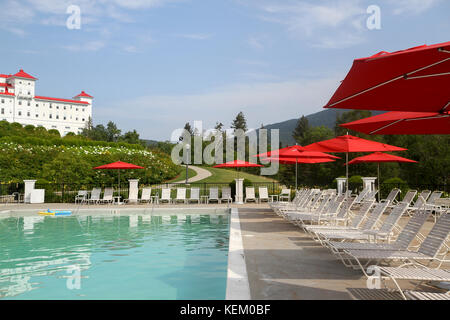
(201, 174)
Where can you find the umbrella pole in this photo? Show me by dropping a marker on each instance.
(296, 161)
(346, 174)
(379, 190)
(119, 185)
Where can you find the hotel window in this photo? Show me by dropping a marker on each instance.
(64, 107)
(3, 100)
(20, 113)
(28, 103)
(57, 107)
(67, 127)
(37, 116)
(54, 127)
(76, 119)
(3, 110)
(64, 118)
(50, 106)
(20, 103)
(37, 104)
(28, 113)
(29, 92)
(57, 117)
(76, 109)
(49, 116)
(82, 119)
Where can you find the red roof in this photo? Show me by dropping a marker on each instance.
(4, 75)
(84, 94)
(7, 93)
(61, 100)
(5, 85)
(23, 74)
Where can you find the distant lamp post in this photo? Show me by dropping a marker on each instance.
(188, 147)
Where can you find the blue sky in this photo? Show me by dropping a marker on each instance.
(153, 65)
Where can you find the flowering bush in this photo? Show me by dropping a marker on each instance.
(73, 163)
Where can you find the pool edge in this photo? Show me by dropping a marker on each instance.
(238, 287)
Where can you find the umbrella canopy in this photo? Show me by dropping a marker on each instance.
(119, 165)
(295, 151)
(286, 160)
(348, 143)
(397, 122)
(380, 157)
(416, 79)
(237, 164)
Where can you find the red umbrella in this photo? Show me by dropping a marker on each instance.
(380, 157)
(119, 165)
(348, 143)
(295, 151)
(237, 164)
(416, 79)
(396, 122)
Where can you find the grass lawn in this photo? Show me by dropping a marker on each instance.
(182, 176)
(228, 175)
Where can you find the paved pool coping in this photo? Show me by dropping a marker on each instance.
(238, 287)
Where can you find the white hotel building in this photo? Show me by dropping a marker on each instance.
(18, 103)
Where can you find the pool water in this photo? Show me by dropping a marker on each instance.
(114, 257)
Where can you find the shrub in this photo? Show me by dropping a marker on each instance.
(389, 184)
(355, 183)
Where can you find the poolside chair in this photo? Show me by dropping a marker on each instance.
(213, 195)
(165, 196)
(226, 195)
(107, 196)
(361, 196)
(299, 217)
(392, 197)
(81, 197)
(428, 251)
(404, 239)
(361, 233)
(413, 272)
(409, 196)
(250, 194)
(95, 196)
(263, 194)
(285, 195)
(181, 195)
(146, 195)
(133, 195)
(195, 195)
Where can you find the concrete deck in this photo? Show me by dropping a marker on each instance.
(284, 263)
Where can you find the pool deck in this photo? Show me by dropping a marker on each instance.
(280, 261)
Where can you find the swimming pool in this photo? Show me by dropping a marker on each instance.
(115, 255)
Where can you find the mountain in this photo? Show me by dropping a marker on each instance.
(325, 118)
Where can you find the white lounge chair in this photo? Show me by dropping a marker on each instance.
(263, 194)
(81, 197)
(428, 251)
(195, 195)
(165, 195)
(95, 196)
(146, 195)
(226, 195)
(181, 195)
(409, 196)
(107, 196)
(250, 194)
(285, 195)
(213, 195)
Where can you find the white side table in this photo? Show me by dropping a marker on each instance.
(37, 196)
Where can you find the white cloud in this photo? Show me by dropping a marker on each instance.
(412, 6)
(322, 23)
(88, 46)
(266, 102)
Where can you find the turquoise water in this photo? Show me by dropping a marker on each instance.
(114, 257)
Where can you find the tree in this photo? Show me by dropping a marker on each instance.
(219, 126)
(131, 137)
(113, 133)
(188, 128)
(239, 122)
(301, 130)
(350, 116)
